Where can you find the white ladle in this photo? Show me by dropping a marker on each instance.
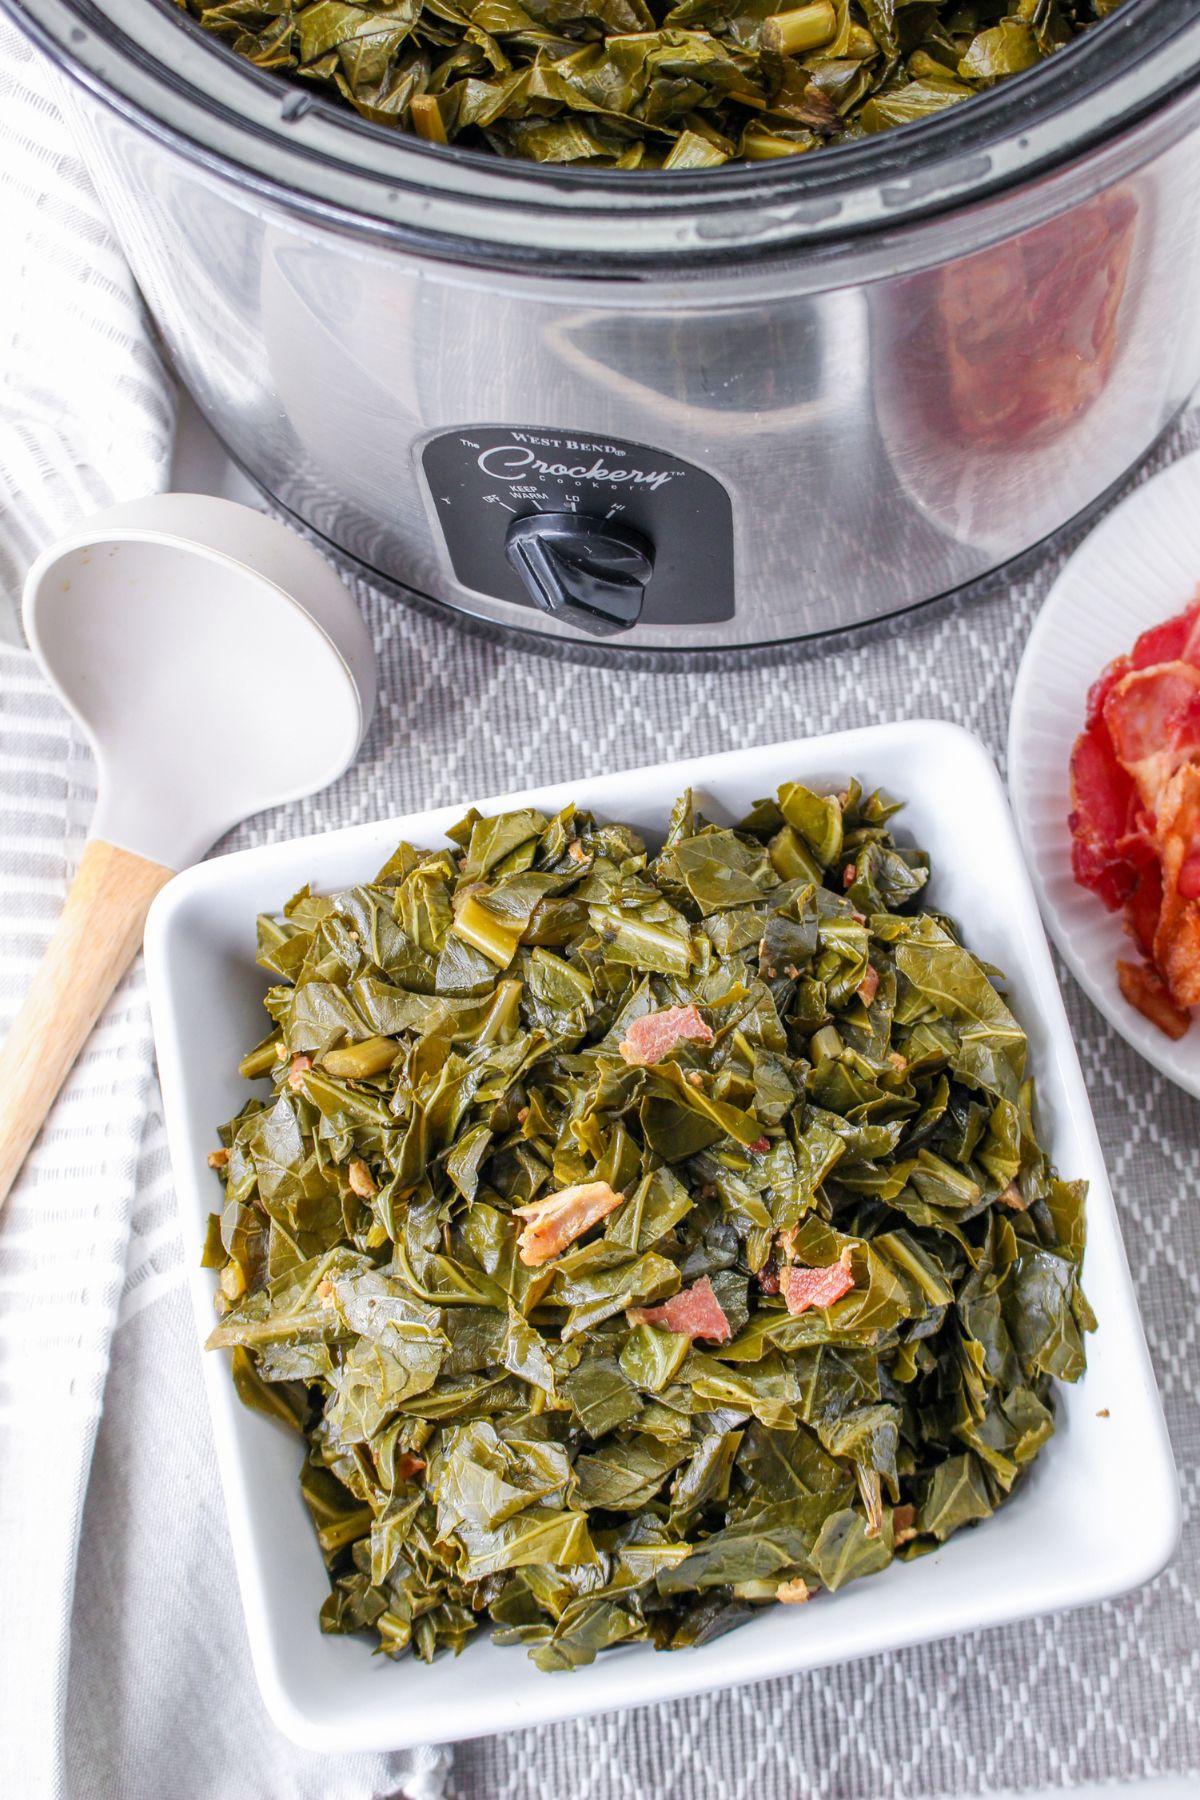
(218, 667)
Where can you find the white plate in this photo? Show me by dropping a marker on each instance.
(1140, 566)
(1053, 1547)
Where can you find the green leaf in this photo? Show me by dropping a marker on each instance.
(846, 1550)
(954, 1495)
(1003, 49)
(651, 1358)
(626, 1474)
(538, 1535)
(772, 1542)
(601, 1396)
(594, 1297)
(953, 985)
(817, 817)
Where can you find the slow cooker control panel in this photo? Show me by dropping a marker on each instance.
(600, 533)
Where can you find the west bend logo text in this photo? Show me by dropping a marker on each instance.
(516, 462)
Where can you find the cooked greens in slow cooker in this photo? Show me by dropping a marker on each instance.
(637, 1240)
(645, 84)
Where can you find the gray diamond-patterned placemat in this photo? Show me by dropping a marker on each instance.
(1111, 1691)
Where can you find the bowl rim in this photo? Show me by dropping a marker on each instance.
(159, 71)
(1179, 481)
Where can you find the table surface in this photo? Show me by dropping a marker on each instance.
(202, 467)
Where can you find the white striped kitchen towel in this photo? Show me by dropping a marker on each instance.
(86, 418)
(86, 412)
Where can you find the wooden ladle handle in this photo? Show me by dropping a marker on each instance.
(93, 944)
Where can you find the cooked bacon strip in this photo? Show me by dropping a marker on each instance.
(1175, 640)
(1154, 725)
(803, 1288)
(1143, 988)
(648, 1039)
(693, 1312)
(868, 987)
(558, 1219)
(1103, 802)
(297, 1069)
(1177, 939)
(1135, 812)
(1103, 686)
(1143, 907)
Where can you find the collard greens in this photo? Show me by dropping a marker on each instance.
(637, 1240)
(647, 84)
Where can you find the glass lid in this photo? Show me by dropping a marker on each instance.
(148, 60)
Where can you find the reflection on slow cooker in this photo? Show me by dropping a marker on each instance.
(1026, 333)
(1011, 382)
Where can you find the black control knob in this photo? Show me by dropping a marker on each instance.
(590, 572)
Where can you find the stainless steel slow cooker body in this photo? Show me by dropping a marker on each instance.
(680, 412)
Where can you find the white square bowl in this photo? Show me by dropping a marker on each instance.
(1100, 1512)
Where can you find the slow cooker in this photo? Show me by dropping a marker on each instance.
(664, 413)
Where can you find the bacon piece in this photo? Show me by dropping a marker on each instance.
(1177, 939)
(794, 1592)
(1013, 1198)
(1154, 725)
(1104, 684)
(408, 1464)
(693, 1312)
(1135, 818)
(904, 1524)
(803, 1288)
(760, 1146)
(648, 1039)
(868, 987)
(558, 1219)
(361, 1180)
(1143, 907)
(1103, 801)
(1144, 989)
(297, 1069)
(1175, 640)
(1187, 726)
